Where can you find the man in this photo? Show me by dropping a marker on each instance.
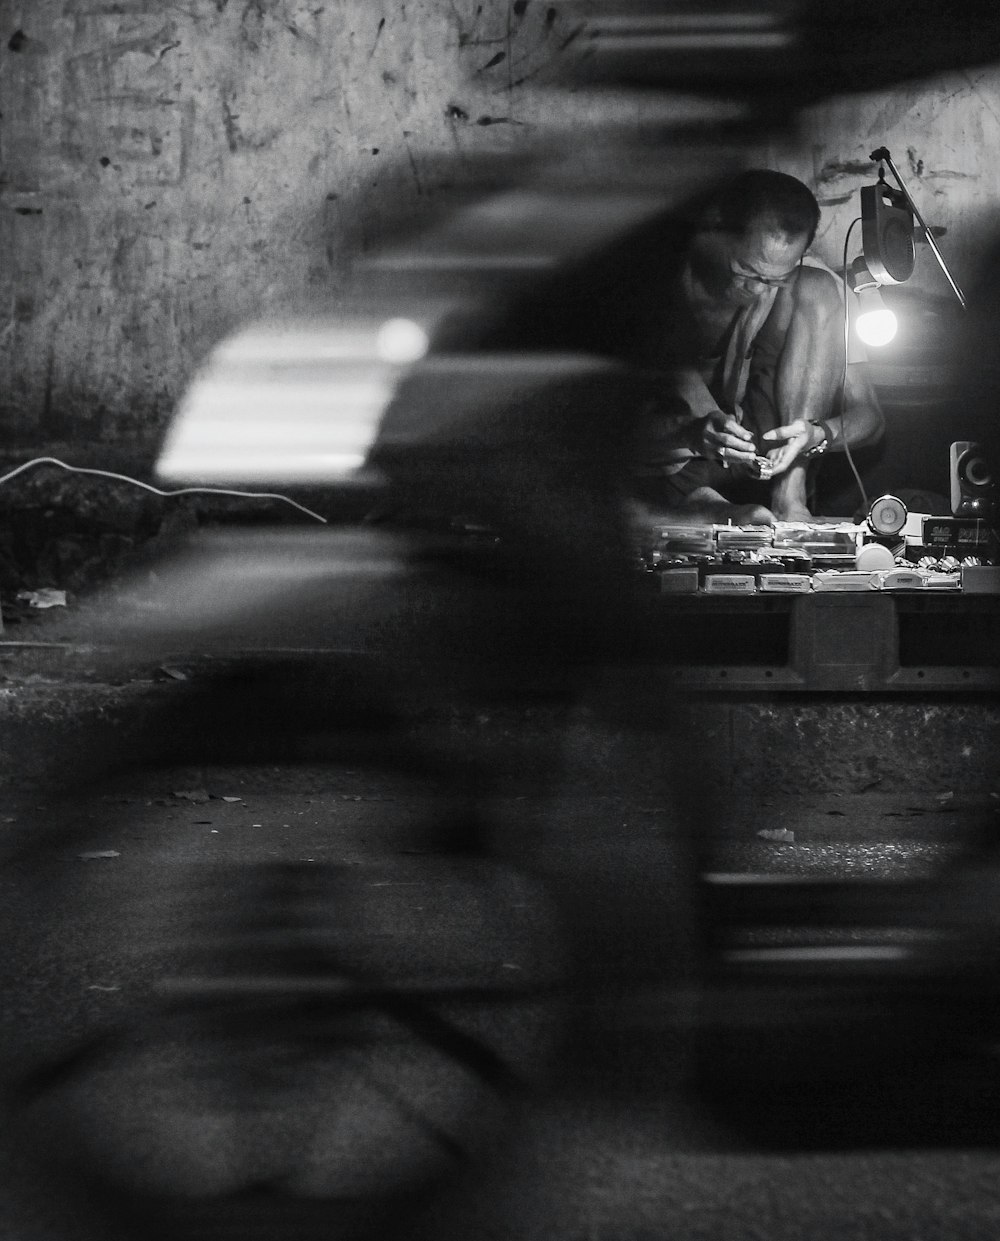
(754, 359)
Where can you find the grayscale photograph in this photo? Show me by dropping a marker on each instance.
(499, 620)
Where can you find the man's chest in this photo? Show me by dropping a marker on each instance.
(710, 320)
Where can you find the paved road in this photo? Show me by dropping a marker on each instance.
(613, 1147)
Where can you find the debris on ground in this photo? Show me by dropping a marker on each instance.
(781, 835)
(44, 597)
(198, 796)
(94, 854)
(172, 674)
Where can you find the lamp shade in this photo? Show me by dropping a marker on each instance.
(887, 234)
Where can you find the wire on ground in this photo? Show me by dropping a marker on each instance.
(183, 491)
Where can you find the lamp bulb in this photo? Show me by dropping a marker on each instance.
(876, 327)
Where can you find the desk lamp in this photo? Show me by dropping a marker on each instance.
(887, 225)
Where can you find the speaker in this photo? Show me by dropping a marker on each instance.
(887, 516)
(973, 485)
(887, 233)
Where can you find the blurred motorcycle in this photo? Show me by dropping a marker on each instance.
(474, 548)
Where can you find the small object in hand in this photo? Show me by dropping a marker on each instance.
(760, 467)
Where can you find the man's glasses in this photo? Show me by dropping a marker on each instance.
(767, 282)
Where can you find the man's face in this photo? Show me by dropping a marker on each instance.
(764, 257)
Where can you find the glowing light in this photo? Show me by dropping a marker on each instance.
(876, 327)
(875, 324)
(401, 341)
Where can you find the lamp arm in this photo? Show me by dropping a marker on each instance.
(882, 156)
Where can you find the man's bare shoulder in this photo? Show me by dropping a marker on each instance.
(817, 286)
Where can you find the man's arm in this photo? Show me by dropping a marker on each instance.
(810, 375)
(862, 421)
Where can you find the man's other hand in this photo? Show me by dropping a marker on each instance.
(721, 438)
(792, 441)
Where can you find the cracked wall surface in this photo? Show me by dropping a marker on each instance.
(941, 134)
(170, 169)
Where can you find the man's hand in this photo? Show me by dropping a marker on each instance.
(721, 438)
(794, 439)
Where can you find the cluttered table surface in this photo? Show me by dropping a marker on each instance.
(907, 603)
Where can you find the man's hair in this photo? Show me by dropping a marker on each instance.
(761, 194)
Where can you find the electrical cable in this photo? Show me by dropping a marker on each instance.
(183, 491)
(843, 382)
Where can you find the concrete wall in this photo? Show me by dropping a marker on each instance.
(169, 169)
(943, 135)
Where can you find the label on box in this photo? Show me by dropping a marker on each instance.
(730, 584)
(955, 532)
(786, 583)
(902, 579)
